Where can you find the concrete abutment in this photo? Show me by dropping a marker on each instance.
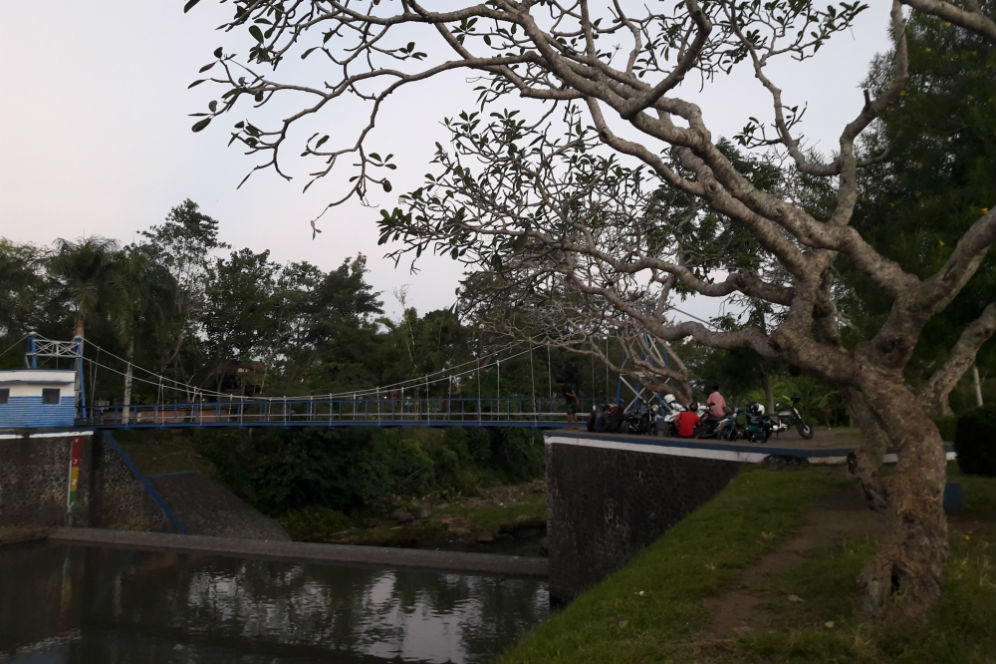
(606, 500)
(37, 477)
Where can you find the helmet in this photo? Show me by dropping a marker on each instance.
(754, 408)
(669, 398)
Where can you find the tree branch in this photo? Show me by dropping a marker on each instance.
(935, 393)
(970, 18)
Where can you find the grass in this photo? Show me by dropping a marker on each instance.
(157, 452)
(652, 610)
(463, 522)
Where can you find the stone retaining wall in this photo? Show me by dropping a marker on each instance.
(34, 485)
(604, 504)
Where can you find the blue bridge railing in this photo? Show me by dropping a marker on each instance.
(340, 412)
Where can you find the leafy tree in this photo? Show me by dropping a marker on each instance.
(937, 147)
(26, 296)
(240, 320)
(146, 310)
(548, 201)
(329, 325)
(183, 244)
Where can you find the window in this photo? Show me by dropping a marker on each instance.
(4, 394)
(50, 395)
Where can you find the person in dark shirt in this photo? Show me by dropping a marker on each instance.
(571, 402)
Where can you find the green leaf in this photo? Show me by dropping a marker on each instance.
(196, 83)
(201, 124)
(205, 68)
(218, 52)
(256, 33)
(190, 4)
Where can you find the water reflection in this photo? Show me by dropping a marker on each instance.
(84, 604)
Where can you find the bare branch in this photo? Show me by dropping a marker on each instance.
(934, 394)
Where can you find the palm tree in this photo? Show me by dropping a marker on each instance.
(88, 276)
(87, 272)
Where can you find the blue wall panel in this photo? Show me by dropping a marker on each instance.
(31, 412)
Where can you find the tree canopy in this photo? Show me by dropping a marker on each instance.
(560, 202)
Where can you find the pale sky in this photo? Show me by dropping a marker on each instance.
(95, 136)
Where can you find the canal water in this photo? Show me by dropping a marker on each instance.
(61, 603)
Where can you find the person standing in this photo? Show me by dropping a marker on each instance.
(570, 402)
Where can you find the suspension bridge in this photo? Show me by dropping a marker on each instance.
(450, 397)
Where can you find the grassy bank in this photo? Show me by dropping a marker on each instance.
(656, 608)
(470, 506)
(495, 517)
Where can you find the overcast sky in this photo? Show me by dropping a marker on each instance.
(95, 136)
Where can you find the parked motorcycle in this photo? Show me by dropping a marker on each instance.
(728, 428)
(759, 425)
(608, 417)
(786, 416)
(638, 418)
(724, 428)
(664, 420)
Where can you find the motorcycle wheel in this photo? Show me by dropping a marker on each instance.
(805, 430)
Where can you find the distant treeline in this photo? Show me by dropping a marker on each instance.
(184, 305)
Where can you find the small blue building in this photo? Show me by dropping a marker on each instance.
(33, 398)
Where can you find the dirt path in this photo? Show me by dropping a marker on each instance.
(840, 515)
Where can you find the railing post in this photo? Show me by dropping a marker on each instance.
(78, 346)
(32, 336)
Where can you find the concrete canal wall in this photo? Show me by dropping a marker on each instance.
(607, 499)
(37, 479)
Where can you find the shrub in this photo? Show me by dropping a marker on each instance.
(975, 441)
(947, 426)
(314, 524)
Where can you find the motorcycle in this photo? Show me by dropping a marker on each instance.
(607, 417)
(724, 428)
(786, 416)
(759, 425)
(664, 419)
(728, 428)
(638, 419)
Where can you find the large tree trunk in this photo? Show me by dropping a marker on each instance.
(905, 578)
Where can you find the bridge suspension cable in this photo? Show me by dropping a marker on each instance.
(162, 383)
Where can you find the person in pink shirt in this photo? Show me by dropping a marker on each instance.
(716, 403)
